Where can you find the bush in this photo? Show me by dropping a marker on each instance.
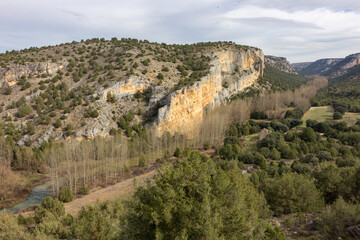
(160, 76)
(335, 220)
(291, 193)
(258, 115)
(57, 123)
(10, 229)
(295, 114)
(337, 116)
(24, 110)
(308, 135)
(65, 194)
(142, 161)
(177, 152)
(206, 145)
(84, 190)
(8, 90)
(195, 200)
(53, 205)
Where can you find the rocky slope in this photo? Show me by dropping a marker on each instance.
(343, 66)
(320, 67)
(96, 87)
(300, 66)
(280, 63)
(332, 67)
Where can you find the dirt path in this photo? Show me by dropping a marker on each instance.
(109, 193)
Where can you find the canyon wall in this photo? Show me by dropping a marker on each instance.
(232, 71)
(10, 76)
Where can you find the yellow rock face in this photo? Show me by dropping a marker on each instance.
(129, 87)
(185, 112)
(7, 78)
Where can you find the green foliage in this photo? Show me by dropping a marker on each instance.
(9, 228)
(206, 145)
(57, 123)
(24, 110)
(280, 80)
(337, 218)
(142, 161)
(308, 135)
(292, 193)
(65, 194)
(295, 114)
(111, 97)
(52, 205)
(8, 90)
(160, 76)
(337, 116)
(177, 152)
(195, 200)
(258, 115)
(84, 190)
(93, 224)
(89, 112)
(30, 129)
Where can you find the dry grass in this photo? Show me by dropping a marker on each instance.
(119, 190)
(15, 187)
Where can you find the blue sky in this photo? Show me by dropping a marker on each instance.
(303, 30)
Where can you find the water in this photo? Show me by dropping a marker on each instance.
(36, 196)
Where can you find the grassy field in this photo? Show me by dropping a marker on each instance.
(324, 113)
(320, 114)
(351, 118)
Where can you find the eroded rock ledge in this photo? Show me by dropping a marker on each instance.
(232, 71)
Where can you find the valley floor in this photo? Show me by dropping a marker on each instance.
(118, 190)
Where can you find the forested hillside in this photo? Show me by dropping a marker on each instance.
(231, 195)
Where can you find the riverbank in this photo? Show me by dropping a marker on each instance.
(16, 187)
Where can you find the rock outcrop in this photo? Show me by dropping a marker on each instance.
(10, 75)
(342, 67)
(280, 63)
(130, 86)
(321, 66)
(184, 109)
(300, 66)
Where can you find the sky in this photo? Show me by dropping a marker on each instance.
(300, 30)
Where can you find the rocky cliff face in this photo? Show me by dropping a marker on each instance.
(342, 67)
(300, 66)
(280, 63)
(184, 109)
(9, 76)
(321, 66)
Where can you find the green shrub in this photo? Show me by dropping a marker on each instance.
(65, 194)
(84, 190)
(291, 193)
(24, 110)
(206, 145)
(177, 152)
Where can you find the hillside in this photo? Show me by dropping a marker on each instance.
(300, 66)
(343, 66)
(96, 87)
(280, 63)
(319, 67)
(344, 87)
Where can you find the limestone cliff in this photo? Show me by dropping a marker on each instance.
(343, 66)
(280, 63)
(10, 75)
(231, 72)
(130, 86)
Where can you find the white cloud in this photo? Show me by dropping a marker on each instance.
(302, 30)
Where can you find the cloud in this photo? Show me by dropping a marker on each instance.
(302, 30)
